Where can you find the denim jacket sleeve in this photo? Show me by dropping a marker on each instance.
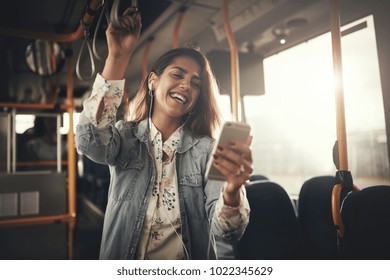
(99, 139)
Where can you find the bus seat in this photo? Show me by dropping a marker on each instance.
(258, 177)
(273, 231)
(366, 217)
(315, 218)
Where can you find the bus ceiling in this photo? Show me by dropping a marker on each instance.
(260, 27)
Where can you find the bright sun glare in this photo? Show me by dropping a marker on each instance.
(294, 123)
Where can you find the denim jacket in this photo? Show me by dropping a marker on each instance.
(125, 148)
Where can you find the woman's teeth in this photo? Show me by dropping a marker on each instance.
(179, 97)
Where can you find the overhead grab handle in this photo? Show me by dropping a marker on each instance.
(105, 13)
(91, 58)
(115, 18)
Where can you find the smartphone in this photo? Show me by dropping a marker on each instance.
(231, 131)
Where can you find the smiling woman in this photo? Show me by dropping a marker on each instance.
(180, 72)
(158, 154)
(175, 91)
(168, 210)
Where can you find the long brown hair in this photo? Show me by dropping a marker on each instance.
(206, 117)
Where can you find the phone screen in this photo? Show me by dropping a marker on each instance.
(231, 131)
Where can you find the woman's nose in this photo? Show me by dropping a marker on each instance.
(185, 85)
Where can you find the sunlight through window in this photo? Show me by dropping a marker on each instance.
(294, 123)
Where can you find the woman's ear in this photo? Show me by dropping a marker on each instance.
(151, 79)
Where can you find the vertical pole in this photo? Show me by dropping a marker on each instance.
(9, 137)
(145, 58)
(13, 139)
(71, 157)
(234, 62)
(338, 84)
(176, 30)
(340, 118)
(59, 144)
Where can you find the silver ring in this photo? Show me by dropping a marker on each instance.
(240, 170)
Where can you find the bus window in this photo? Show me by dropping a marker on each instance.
(37, 147)
(225, 107)
(24, 122)
(294, 123)
(65, 128)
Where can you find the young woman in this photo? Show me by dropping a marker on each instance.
(160, 206)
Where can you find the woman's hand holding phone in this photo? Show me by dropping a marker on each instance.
(232, 160)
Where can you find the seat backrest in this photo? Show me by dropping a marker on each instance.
(366, 217)
(315, 218)
(258, 177)
(273, 231)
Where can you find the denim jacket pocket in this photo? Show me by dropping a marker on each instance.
(194, 196)
(125, 179)
(131, 164)
(191, 180)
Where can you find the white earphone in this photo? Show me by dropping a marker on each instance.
(151, 88)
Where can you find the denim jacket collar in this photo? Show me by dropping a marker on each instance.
(141, 131)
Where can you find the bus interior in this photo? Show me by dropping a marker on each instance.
(52, 203)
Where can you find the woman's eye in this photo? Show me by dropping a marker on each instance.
(196, 85)
(176, 75)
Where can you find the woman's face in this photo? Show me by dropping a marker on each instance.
(177, 89)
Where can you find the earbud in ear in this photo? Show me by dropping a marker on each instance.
(151, 88)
